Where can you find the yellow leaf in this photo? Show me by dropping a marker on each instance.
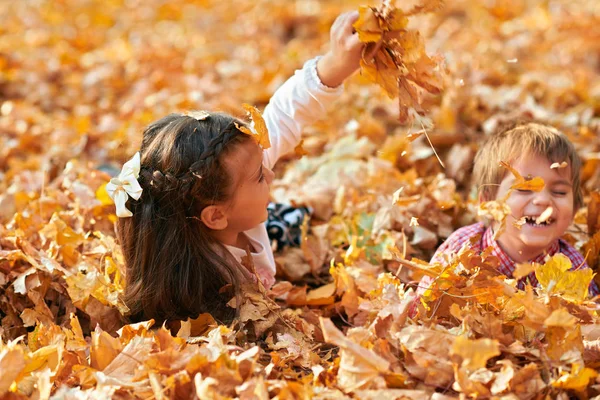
(560, 318)
(524, 269)
(367, 25)
(321, 296)
(577, 380)
(520, 222)
(196, 327)
(379, 71)
(535, 184)
(102, 195)
(415, 135)
(396, 20)
(104, 349)
(555, 277)
(475, 353)
(12, 362)
(258, 127)
(412, 46)
(46, 357)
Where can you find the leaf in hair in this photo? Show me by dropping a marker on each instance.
(258, 128)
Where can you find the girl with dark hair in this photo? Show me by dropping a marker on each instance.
(195, 197)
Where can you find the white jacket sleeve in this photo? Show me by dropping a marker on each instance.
(301, 100)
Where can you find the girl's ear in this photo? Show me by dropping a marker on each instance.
(214, 218)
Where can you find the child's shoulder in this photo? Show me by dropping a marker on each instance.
(458, 238)
(462, 235)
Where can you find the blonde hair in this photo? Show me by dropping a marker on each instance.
(516, 140)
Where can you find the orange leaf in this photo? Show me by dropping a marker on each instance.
(475, 353)
(321, 296)
(257, 128)
(535, 184)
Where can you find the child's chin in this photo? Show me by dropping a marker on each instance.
(537, 241)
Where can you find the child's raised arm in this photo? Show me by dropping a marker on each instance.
(303, 98)
(343, 58)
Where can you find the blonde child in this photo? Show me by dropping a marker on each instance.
(195, 197)
(532, 149)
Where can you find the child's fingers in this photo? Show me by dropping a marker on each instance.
(353, 16)
(348, 19)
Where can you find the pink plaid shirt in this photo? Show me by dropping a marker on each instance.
(507, 266)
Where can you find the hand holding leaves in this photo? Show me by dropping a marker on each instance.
(344, 55)
(395, 57)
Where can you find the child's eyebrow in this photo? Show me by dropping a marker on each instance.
(562, 182)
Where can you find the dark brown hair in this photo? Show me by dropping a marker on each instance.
(514, 140)
(175, 268)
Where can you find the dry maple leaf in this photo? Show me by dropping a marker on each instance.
(257, 128)
(556, 277)
(534, 184)
(394, 57)
(360, 368)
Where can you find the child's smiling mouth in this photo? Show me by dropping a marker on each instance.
(536, 222)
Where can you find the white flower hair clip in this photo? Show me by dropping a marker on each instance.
(125, 185)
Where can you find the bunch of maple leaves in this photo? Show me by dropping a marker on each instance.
(80, 80)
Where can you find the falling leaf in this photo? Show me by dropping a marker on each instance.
(535, 184)
(547, 213)
(414, 135)
(74, 108)
(520, 222)
(559, 165)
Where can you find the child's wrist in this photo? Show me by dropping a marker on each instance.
(331, 71)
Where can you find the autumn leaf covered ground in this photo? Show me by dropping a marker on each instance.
(80, 79)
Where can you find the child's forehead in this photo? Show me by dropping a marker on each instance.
(245, 159)
(530, 165)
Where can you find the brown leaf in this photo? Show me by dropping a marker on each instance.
(359, 368)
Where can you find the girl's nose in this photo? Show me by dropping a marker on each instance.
(269, 175)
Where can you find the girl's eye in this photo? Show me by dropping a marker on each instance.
(560, 193)
(523, 191)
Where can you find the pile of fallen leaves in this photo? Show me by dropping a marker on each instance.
(80, 79)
